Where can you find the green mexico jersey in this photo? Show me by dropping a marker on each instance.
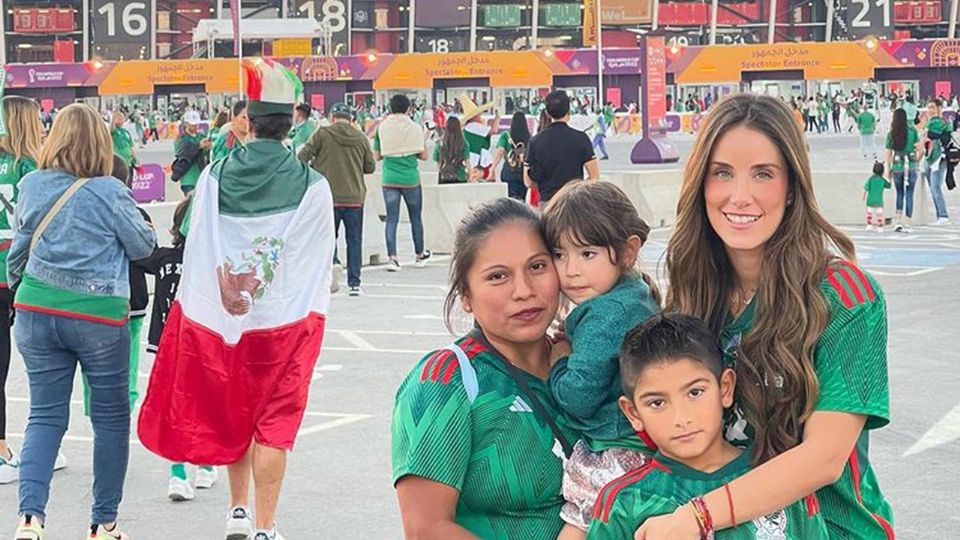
(851, 364)
(11, 171)
(467, 424)
(663, 485)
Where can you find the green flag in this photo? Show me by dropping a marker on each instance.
(3, 81)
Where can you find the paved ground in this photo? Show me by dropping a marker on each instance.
(338, 486)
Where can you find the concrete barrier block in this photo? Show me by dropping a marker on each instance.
(654, 193)
(840, 197)
(444, 207)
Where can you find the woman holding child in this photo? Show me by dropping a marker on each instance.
(804, 328)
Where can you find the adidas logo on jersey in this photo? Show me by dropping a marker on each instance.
(520, 406)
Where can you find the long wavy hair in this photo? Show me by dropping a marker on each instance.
(23, 128)
(898, 130)
(791, 311)
(451, 151)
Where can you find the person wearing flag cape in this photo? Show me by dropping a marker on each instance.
(230, 382)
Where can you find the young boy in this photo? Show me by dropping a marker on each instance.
(676, 389)
(873, 194)
(165, 265)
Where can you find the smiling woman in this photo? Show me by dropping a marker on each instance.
(803, 326)
(476, 443)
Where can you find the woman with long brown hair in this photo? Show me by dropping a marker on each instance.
(804, 327)
(19, 149)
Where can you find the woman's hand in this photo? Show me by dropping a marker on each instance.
(680, 525)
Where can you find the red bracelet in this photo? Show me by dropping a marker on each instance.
(733, 515)
(706, 531)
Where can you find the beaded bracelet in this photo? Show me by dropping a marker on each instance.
(704, 519)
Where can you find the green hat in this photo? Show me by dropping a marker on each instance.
(271, 88)
(341, 108)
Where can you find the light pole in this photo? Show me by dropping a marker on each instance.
(535, 24)
(713, 22)
(954, 12)
(772, 27)
(599, 54)
(831, 5)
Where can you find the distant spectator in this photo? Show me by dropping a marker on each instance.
(560, 153)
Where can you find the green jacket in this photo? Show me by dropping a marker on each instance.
(587, 384)
(342, 154)
(223, 144)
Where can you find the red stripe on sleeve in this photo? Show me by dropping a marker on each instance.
(448, 373)
(839, 288)
(853, 286)
(855, 473)
(862, 278)
(444, 356)
(426, 366)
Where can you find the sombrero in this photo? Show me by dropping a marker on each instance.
(471, 109)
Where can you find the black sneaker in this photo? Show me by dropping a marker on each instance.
(422, 258)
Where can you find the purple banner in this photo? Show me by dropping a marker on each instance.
(46, 75)
(442, 13)
(615, 61)
(149, 183)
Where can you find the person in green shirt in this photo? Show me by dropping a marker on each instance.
(399, 143)
(235, 134)
(675, 389)
(726, 266)
(867, 124)
(122, 140)
(453, 155)
(873, 190)
(938, 133)
(901, 162)
(19, 150)
(303, 127)
(191, 133)
(477, 438)
(152, 123)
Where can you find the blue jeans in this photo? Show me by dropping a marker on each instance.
(600, 143)
(51, 347)
(935, 179)
(352, 219)
(413, 198)
(514, 180)
(905, 189)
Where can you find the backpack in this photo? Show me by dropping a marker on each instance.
(516, 156)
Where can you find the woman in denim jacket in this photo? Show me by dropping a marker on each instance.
(72, 294)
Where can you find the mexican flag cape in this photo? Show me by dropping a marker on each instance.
(241, 340)
(477, 136)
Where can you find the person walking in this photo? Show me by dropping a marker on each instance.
(477, 134)
(399, 143)
(512, 150)
(19, 150)
(811, 114)
(252, 303)
(938, 135)
(901, 163)
(342, 154)
(867, 125)
(452, 155)
(77, 229)
(835, 110)
(122, 140)
(233, 134)
(303, 127)
(192, 153)
(560, 153)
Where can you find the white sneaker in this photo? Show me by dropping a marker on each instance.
(10, 468)
(422, 259)
(356, 291)
(239, 524)
(880, 229)
(60, 463)
(393, 265)
(941, 222)
(269, 535)
(206, 478)
(907, 228)
(868, 228)
(179, 490)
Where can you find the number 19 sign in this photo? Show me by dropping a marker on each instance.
(117, 21)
